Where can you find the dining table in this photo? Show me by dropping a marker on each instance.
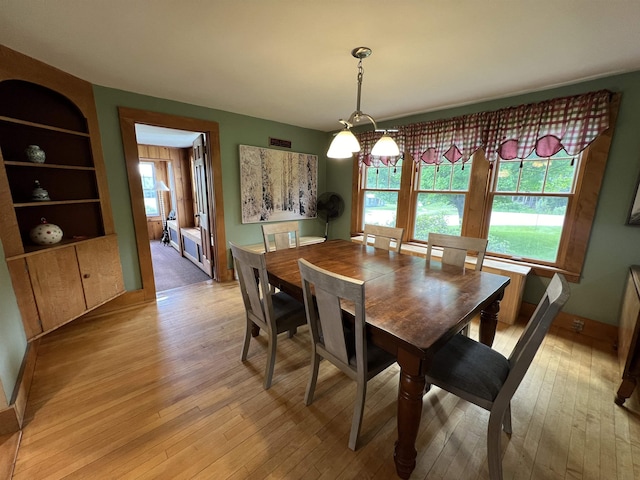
(413, 306)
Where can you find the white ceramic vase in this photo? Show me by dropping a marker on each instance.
(35, 154)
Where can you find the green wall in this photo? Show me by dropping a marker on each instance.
(613, 246)
(13, 341)
(235, 130)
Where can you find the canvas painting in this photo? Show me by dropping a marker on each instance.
(277, 185)
(634, 214)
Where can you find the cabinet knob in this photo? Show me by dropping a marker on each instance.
(86, 275)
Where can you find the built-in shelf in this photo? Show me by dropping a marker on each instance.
(59, 202)
(40, 125)
(48, 165)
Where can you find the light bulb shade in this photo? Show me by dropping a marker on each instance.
(385, 147)
(161, 186)
(344, 145)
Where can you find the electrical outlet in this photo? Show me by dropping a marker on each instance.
(578, 325)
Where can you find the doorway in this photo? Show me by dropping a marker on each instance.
(169, 161)
(213, 171)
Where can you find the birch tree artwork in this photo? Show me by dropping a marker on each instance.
(276, 185)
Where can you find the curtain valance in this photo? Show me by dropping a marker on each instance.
(569, 123)
(452, 139)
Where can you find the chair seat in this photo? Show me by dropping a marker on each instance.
(469, 366)
(377, 359)
(288, 311)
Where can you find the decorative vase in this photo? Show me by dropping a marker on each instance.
(45, 233)
(35, 154)
(39, 194)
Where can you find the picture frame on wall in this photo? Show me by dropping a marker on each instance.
(277, 185)
(634, 212)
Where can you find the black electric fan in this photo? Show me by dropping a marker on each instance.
(329, 207)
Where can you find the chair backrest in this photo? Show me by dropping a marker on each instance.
(281, 233)
(550, 304)
(329, 289)
(251, 268)
(455, 249)
(384, 236)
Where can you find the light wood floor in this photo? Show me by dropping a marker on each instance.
(159, 392)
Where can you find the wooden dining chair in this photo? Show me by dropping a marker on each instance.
(383, 236)
(281, 233)
(455, 250)
(274, 313)
(347, 348)
(483, 376)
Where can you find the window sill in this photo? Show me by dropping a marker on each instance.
(512, 300)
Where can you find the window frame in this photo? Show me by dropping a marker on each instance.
(579, 217)
(154, 176)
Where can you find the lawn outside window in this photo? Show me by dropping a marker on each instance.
(529, 202)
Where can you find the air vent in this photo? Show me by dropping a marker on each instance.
(277, 142)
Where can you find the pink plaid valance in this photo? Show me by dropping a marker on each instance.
(569, 123)
(452, 139)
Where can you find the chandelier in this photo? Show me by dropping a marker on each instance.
(345, 144)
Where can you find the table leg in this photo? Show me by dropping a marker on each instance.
(409, 413)
(489, 323)
(626, 389)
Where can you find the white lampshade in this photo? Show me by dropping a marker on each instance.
(385, 147)
(344, 145)
(161, 186)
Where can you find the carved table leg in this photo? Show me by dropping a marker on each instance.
(626, 389)
(409, 413)
(489, 322)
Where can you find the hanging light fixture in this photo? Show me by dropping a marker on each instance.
(345, 144)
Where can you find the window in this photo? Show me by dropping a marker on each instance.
(380, 194)
(440, 196)
(529, 205)
(537, 211)
(148, 177)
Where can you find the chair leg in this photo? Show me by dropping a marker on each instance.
(494, 430)
(311, 386)
(292, 332)
(358, 410)
(247, 339)
(271, 359)
(506, 422)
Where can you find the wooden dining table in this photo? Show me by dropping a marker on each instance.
(412, 308)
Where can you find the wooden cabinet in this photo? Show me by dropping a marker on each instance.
(629, 336)
(43, 106)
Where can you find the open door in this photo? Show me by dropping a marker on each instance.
(202, 203)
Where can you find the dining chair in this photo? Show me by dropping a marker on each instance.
(274, 313)
(483, 376)
(383, 236)
(455, 250)
(347, 347)
(281, 233)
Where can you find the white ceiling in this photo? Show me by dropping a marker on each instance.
(290, 60)
(166, 137)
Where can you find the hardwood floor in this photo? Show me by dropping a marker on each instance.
(159, 392)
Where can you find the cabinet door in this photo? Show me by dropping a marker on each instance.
(24, 295)
(100, 270)
(55, 279)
